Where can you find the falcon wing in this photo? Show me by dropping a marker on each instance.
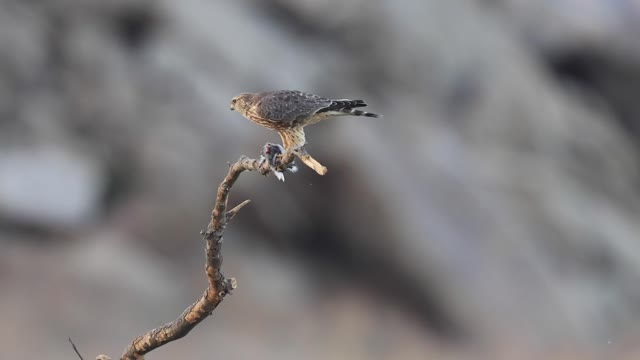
(289, 106)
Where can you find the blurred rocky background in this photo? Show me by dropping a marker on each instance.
(492, 214)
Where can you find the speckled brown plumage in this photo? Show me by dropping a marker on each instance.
(289, 111)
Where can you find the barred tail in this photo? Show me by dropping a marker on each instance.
(346, 107)
(341, 104)
(357, 112)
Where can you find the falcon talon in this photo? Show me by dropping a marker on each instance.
(278, 165)
(292, 168)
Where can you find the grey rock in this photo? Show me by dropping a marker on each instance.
(50, 187)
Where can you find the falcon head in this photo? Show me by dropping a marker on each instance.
(241, 102)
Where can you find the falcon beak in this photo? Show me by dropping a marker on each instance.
(231, 108)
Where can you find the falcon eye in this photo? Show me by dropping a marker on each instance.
(234, 101)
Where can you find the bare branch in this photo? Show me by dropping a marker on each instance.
(311, 162)
(307, 159)
(75, 349)
(231, 213)
(219, 286)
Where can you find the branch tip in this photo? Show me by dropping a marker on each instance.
(231, 213)
(312, 163)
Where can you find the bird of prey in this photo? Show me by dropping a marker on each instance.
(289, 111)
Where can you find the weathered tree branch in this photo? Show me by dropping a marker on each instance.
(307, 159)
(219, 286)
(75, 349)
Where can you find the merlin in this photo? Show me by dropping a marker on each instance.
(289, 111)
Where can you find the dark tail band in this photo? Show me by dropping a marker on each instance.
(357, 112)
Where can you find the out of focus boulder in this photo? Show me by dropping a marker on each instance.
(50, 187)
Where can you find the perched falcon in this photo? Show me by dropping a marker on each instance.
(289, 111)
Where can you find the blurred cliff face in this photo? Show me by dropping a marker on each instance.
(496, 202)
